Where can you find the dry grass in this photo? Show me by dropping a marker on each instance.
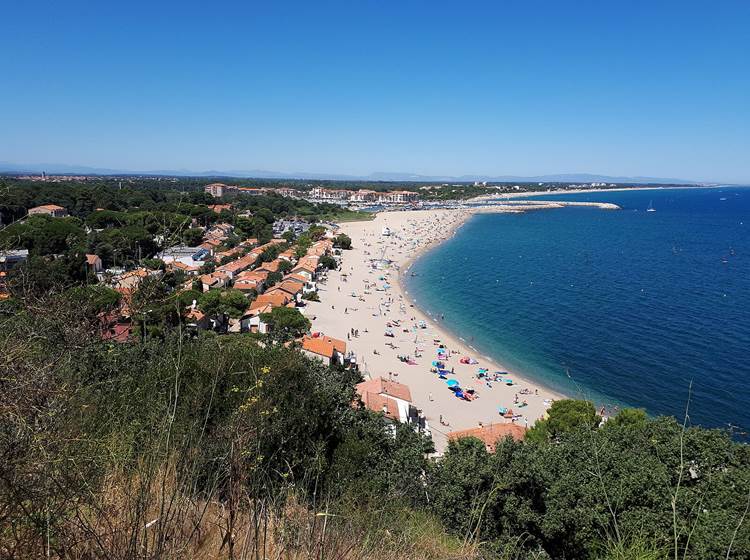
(135, 518)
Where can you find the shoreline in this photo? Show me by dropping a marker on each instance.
(525, 194)
(369, 307)
(444, 327)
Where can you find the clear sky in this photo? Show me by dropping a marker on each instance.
(525, 87)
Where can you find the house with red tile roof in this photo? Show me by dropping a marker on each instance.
(235, 267)
(251, 280)
(94, 263)
(305, 270)
(490, 434)
(272, 266)
(289, 255)
(307, 285)
(382, 404)
(188, 269)
(294, 289)
(52, 210)
(274, 299)
(379, 392)
(387, 387)
(214, 281)
(210, 245)
(330, 350)
(229, 252)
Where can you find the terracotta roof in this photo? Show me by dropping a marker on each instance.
(294, 277)
(272, 266)
(196, 314)
(50, 207)
(239, 265)
(491, 433)
(229, 252)
(252, 275)
(290, 286)
(380, 403)
(214, 277)
(182, 266)
(91, 259)
(385, 387)
(306, 267)
(323, 345)
(275, 299)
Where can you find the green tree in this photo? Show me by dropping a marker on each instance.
(285, 323)
(343, 241)
(562, 417)
(223, 302)
(273, 278)
(328, 262)
(43, 235)
(635, 417)
(192, 237)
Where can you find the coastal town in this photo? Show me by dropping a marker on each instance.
(290, 323)
(345, 281)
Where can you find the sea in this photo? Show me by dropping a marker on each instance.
(624, 307)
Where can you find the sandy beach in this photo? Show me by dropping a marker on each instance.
(365, 299)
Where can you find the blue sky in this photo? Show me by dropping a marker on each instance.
(520, 87)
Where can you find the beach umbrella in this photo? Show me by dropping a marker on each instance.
(508, 381)
(452, 383)
(435, 363)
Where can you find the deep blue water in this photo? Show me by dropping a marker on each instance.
(633, 305)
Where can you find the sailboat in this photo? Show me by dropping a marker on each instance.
(651, 207)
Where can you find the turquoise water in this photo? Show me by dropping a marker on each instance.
(626, 307)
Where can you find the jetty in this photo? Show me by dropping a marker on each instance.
(520, 206)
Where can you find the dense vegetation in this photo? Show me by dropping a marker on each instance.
(129, 226)
(180, 444)
(100, 439)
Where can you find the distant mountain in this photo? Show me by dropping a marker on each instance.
(559, 178)
(64, 169)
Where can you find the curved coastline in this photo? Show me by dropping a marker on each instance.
(360, 297)
(445, 327)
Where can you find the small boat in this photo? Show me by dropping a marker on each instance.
(651, 207)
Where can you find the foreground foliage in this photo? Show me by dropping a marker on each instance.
(236, 447)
